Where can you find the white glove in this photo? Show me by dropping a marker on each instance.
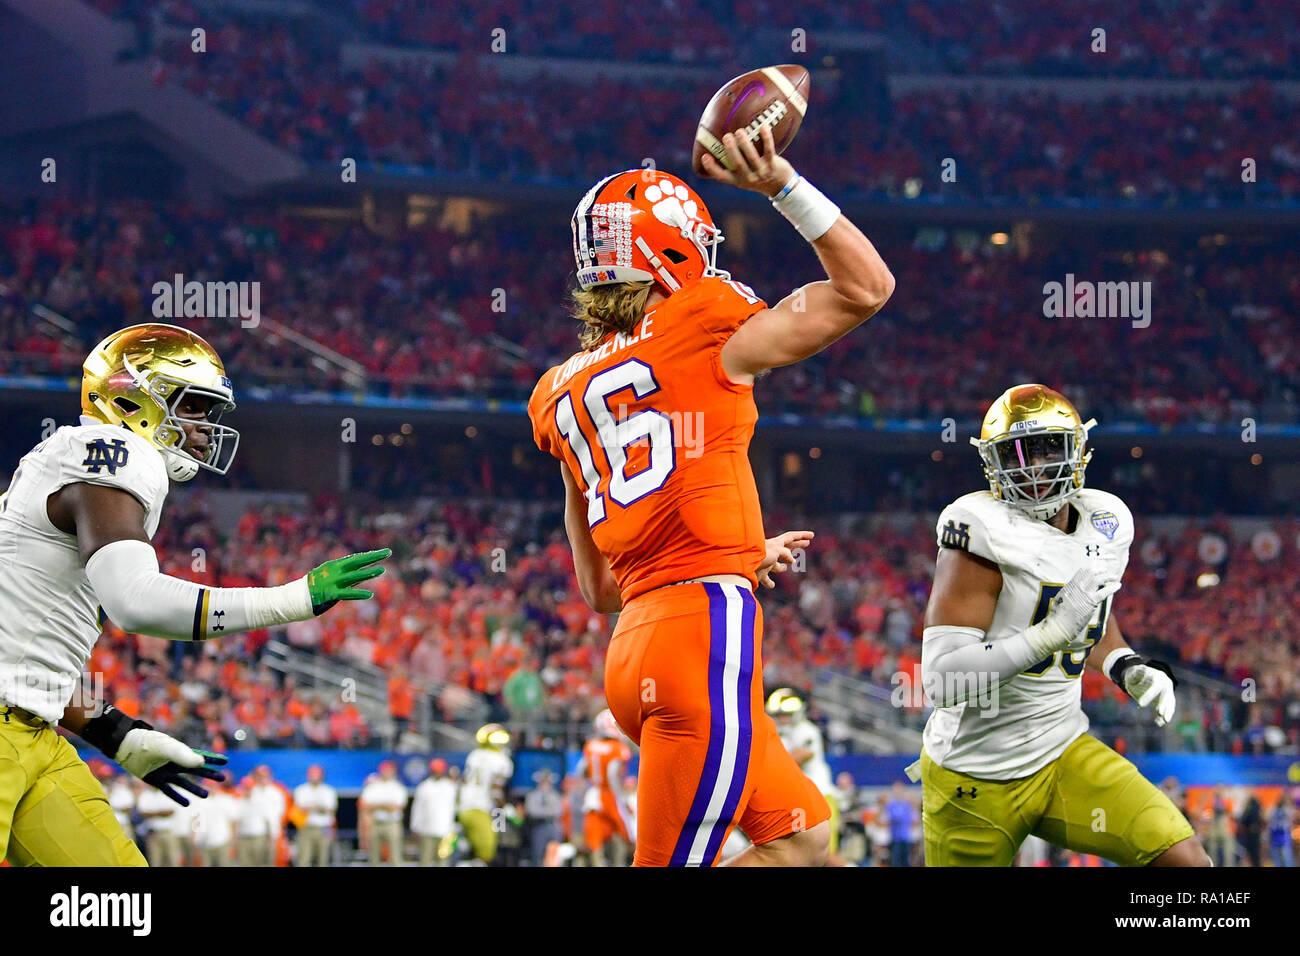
(1073, 608)
(1147, 685)
(164, 762)
(144, 751)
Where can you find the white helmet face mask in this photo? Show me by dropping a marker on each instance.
(1036, 469)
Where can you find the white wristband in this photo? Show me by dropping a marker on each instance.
(807, 209)
(267, 607)
(1114, 658)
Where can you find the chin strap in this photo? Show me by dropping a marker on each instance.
(178, 469)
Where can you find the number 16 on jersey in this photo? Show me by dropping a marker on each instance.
(614, 437)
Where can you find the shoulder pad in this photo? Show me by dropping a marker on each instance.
(969, 524)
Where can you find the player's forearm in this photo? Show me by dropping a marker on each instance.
(1111, 641)
(595, 581)
(76, 715)
(854, 268)
(958, 663)
(137, 597)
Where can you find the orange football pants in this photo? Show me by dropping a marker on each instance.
(599, 825)
(684, 679)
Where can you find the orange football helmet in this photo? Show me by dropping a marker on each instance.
(643, 224)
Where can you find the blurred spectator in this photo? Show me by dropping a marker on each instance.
(319, 803)
(543, 808)
(385, 801)
(401, 702)
(252, 828)
(903, 818)
(273, 800)
(1218, 841)
(162, 822)
(1281, 820)
(433, 814)
(854, 845)
(121, 790)
(1250, 830)
(213, 834)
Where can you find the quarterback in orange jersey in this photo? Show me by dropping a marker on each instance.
(651, 423)
(606, 815)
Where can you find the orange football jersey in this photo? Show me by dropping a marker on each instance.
(657, 436)
(599, 754)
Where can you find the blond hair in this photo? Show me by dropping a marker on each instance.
(609, 308)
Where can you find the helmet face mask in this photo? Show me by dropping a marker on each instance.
(1034, 450)
(169, 435)
(140, 378)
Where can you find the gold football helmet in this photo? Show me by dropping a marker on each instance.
(784, 702)
(138, 377)
(492, 736)
(1034, 448)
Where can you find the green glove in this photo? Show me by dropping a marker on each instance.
(332, 581)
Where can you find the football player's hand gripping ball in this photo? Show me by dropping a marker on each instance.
(333, 581)
(767, 173)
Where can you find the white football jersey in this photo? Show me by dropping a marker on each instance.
(49, 616)
(804, 735)
(485, 771)
(1012, 731)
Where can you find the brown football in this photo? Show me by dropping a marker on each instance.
(774, 96)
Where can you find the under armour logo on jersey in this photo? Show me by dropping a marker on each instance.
(217, 616)
(962, 793)
(1092, 550)
(102, 454)
(955, 535)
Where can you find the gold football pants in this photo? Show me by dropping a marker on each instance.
(1089, 799)
(53, 812)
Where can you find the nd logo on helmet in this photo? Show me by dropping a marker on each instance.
(103, 454)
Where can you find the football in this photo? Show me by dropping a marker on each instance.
(774, 96)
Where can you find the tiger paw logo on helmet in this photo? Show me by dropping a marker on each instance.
(672, 203)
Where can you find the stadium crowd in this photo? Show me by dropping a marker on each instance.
(437, 314)
(1158, 39)
(483, 599)
(473, 118)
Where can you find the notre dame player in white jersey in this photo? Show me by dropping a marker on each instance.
(803, 739)
(1022, 602)
(482, 790)
(75, 527)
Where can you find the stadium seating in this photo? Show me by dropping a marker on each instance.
(418, 316)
